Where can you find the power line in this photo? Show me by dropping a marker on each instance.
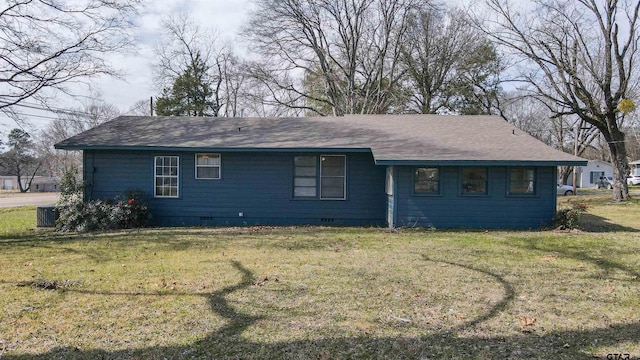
(49, 109)
(36, 116)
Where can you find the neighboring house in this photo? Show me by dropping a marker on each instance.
(39, 183)
(373, 170)
(9, 183)
(45, 184)
(589, 175)
(635, 167)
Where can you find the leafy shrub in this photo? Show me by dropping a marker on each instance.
(78, 215)
(568, 218)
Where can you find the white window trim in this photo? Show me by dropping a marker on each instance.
(195, 169)
(177, 176)
(344, 178)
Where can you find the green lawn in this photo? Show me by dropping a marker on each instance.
(17, 221)
(313, 292)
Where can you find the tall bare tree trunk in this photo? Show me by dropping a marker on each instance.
(619, 163)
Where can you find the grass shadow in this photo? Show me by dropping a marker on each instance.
(607, 266)
(509, 293)
(228, 342)
(556, 345)
(598, 224)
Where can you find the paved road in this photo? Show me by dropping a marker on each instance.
(9, 200)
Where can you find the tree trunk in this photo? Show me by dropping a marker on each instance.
(619, 163)
(565, 172)
(19, 178)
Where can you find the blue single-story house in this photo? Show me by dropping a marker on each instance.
(374, 170)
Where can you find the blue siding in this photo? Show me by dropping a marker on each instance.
(258, 185)
(450, 209)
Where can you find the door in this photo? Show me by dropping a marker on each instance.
(7, 184)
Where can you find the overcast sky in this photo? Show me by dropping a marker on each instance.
(224, 16)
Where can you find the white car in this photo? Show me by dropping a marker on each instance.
(565, 190)
(633, 180)
(605, 183)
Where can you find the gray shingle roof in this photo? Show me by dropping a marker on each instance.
(391, 138)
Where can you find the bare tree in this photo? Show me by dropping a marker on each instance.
(450, 65)
(330, 56)
(72, 122)
(583, 58)
(577, 138)
(533, 116)
(140, 108)
(537, 116)
(20, 161)
(47, 44)
(233, 71)
(263, 98)
(191, 57)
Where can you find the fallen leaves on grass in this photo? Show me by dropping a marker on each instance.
(170, 286)
(527, 321)
(264, 281)
(549, 257)
(527, 324)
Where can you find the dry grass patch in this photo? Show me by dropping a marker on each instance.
(312, 292)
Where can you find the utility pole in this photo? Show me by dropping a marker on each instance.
(575, 153)
(151, 106)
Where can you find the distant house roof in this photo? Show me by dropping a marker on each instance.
(392, 139)
(600, 162)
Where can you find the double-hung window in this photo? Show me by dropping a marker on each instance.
(522, 181)
(426, 181)
(321, 177)
(208, 166)
(305, 169)
(474, 181)
(333, 177)
(166, 176)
